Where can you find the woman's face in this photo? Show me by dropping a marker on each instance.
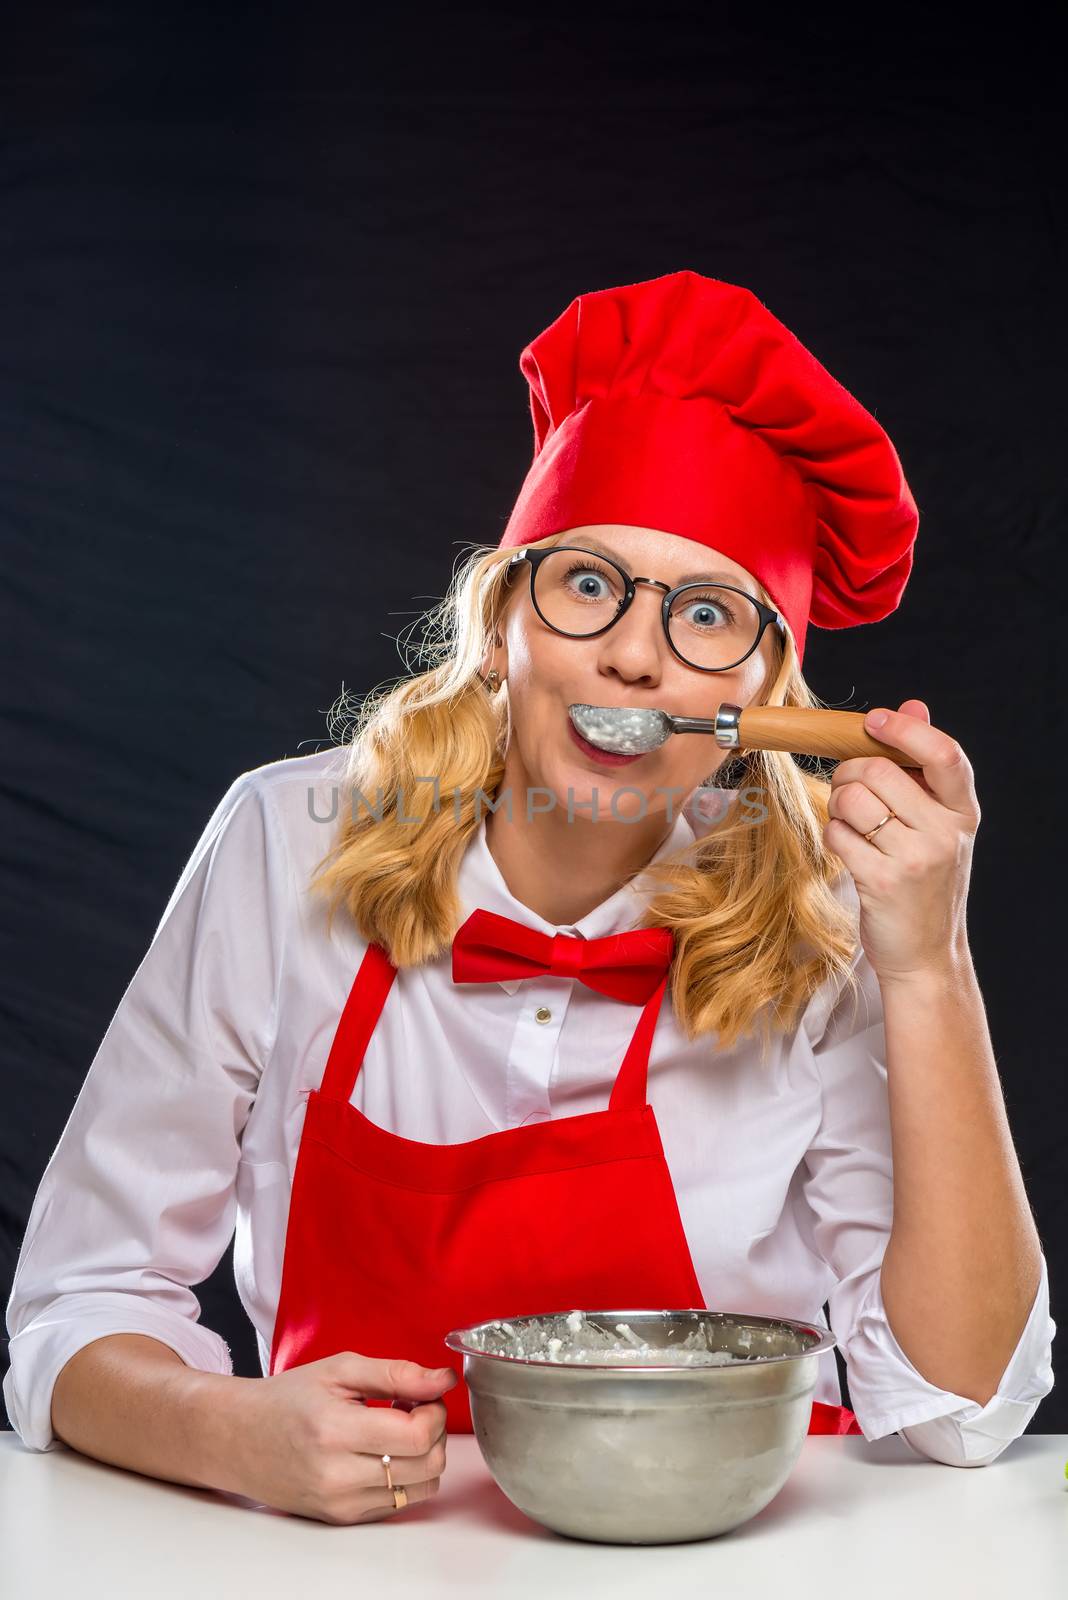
(631, 664)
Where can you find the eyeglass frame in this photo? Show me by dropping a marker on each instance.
(768, 616)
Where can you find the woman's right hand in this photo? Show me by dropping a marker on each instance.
(303, 1441)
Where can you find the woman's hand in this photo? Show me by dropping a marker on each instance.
(912, 876)
(303, 1441)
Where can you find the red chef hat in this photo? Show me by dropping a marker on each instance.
(681, 403)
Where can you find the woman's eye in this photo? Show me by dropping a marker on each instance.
(708, 613)
(587, 583)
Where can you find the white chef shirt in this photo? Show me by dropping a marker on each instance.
(188, 1122)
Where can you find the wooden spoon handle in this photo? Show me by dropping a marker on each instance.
(810, 731)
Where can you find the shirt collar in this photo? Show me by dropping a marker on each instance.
(480, 884)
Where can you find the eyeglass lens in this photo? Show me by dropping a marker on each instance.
(709, 626)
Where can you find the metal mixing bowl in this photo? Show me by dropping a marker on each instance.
(644, 1454)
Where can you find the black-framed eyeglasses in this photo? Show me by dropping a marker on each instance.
(581, 593)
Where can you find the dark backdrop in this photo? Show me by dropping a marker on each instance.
(264, 279)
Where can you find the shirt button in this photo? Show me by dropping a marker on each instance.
(543, 1014)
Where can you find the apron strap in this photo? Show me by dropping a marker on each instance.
(358, 1021)
(632, 1084)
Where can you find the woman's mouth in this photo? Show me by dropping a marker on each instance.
(604, 756)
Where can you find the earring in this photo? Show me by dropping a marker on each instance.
(492, 679)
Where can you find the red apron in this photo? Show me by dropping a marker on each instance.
(391, 1243)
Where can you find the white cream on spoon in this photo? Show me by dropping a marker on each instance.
(632, 730)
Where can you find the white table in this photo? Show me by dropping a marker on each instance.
(857, 1519)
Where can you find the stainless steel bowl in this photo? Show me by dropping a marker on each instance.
(644, 1454)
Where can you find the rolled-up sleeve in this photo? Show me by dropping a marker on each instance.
(137, 1202)
(848, 1185)
(951, 1428)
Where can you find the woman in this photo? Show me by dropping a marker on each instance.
(468, 1020)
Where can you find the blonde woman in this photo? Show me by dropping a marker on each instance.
(466, 1018)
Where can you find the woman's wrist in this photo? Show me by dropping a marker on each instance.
(934, 977)
(213, 1406)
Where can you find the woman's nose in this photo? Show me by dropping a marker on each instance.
(635, 642)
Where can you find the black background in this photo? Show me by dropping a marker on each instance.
(265, 276)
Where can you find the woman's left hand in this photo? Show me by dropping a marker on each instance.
(912, 875)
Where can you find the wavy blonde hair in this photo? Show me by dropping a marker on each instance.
(758, 927)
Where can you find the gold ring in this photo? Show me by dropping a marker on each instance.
(400, 1494)
(890, 815)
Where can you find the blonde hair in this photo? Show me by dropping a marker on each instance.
(758, 927)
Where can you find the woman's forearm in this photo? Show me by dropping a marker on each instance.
(131, 1400)
(962, 1266)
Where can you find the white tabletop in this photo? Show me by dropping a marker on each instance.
(852, 1519)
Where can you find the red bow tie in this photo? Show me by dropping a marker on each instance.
(626, 966)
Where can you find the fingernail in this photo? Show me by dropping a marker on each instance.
(876, 719)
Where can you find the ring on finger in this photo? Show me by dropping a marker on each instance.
(399, 1492)
(890, 817)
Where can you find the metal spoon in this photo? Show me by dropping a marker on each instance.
(803, 730)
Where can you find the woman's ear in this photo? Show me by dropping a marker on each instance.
(488, 659)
